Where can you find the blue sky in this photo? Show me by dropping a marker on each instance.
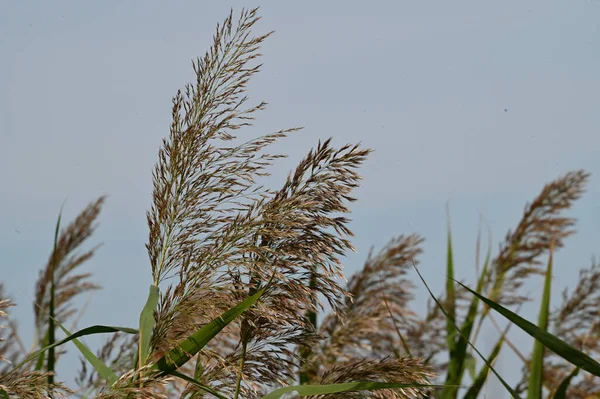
(475, 103)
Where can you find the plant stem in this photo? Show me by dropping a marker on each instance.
(305, 351)
(238, 381)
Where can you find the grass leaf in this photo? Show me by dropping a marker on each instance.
(514, 394)
(471, 366)
(482, 376)
(561, 391)
(552, 342)
(40, 362)
(189, 347)
(103, 370)
(147, 324)
(536, 374)
(86, 331)
(455, 363)
(460, 350)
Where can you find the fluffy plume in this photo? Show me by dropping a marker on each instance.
(519, 255)
(62, 264)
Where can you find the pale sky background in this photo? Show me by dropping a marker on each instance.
(477, 103)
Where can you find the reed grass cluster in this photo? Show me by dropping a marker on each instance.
(241, 274)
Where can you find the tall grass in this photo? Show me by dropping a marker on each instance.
(241, 272)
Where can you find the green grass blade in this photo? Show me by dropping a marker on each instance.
(536, 372)
(481, 377)
(479, 380)
(136, 356)
(466, 330)
(552, 342)
(514, 394)
(198, 384)
(398, 333)
(471, 365)
(309, 390)
(198, 369)
(456, 362)
(40, 362)
(86, 331)
(561, 391)
(147, 325)
(482, 284)
(4, 394)
(189, 347)
(103, 370)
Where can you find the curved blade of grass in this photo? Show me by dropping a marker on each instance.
(481, 286)
(561, 391)
(309, 390)
(40, 362)
(471, 366)
(146, 325)
(514, 394)
(552, 342)
(198, 384)
(86, 331)
(460, 350)
(198, 368)
(479, 380)
(103, 370)
(455, 363)
(189, 347)
(4, 394)
(402, 340)
(536, 373)
(136, 356)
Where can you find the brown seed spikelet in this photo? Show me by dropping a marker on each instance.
(402, 370)
(377, 292)
(65, 260)
(21, 383)
(520, 253)
(222, 236)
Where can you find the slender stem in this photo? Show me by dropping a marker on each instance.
(402, 340)
(306, 371)
(238, 381)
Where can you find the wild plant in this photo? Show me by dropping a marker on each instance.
(236, 266)
(241, 272)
